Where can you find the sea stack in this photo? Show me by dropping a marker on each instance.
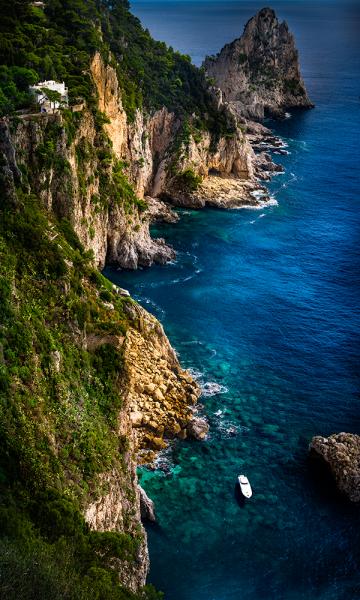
(341, 454)
(259, 73)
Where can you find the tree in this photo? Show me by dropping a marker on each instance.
(53, 96)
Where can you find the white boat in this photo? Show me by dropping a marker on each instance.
(245, 486)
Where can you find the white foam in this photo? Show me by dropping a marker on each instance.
(211, 388)
(163, 461)
(260, 193)
(156, 308)
(229, 429)
(195, 373)
(270, 202)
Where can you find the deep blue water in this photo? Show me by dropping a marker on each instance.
(266, 304)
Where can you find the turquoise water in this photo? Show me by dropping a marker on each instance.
(265, 304)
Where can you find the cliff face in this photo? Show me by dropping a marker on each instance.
(73, 178)
(78, 173)
(259, 73)
(157, 151)
(157, 396)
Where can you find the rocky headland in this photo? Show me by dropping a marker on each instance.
(259, 73)
(340, 455)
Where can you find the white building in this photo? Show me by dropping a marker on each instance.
(50, 104)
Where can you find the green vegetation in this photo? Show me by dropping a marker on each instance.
(59, 408)
(47, 551)
(59, 42)
(292, 85)
(188, 180)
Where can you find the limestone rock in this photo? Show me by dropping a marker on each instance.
(198, 428)
(341, 453)
(146, 506)
(259, 72)
(150, 365)
(56, 360)
(136, 418)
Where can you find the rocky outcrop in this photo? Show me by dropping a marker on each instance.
(198, 428)
(157, 404)
(340, 453)
(259, 73)
(148, 147)
(147, 508)
(158, 391)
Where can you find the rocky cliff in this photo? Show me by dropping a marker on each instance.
(89, 380)
(82, 167)
(259, 73)
(158, 398)
(340, 454)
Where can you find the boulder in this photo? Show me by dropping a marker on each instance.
(341, 454)
(198, 428)
(136, 418)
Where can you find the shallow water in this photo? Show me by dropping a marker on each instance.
(266, 305)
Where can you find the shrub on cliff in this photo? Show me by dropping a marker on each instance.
(188, 180)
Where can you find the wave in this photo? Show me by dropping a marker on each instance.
(208, 388)
(228, 429)
(195, 373)
(211, 388)
(270, 202)
(164, 461)
(160, 312)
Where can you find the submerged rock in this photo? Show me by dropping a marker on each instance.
(146, 506)
(341, 453)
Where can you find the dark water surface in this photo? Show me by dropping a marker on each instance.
(265, 304)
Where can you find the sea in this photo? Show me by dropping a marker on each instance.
(263, 307)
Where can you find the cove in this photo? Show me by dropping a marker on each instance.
(266, 305)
